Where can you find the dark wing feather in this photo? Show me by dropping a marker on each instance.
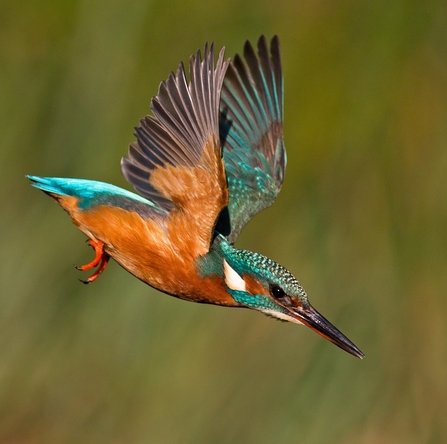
(185, 118)
(251, 116)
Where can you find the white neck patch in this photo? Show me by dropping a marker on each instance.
(282, 316)
(232, 278)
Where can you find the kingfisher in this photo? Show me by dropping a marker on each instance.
(209, 158)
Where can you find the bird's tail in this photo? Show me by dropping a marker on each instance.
(89, 193)
(53, 185)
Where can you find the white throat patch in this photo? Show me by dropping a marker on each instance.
(282, 316)
(232, 278)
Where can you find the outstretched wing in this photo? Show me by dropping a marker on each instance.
(251, 116)
(176, 161)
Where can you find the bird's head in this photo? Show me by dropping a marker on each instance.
(257, 282)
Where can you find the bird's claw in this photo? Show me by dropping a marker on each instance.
(101, 259)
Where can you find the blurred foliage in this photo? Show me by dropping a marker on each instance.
(361, 221)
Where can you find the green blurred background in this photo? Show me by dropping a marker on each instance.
(361, 221)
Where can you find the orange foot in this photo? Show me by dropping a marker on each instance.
(101, 259)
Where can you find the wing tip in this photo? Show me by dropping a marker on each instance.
(185, 117)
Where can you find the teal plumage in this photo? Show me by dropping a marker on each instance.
(251, 132)
(92, 193)
(210, 158)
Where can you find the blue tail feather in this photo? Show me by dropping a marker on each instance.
(82, 188)
(91, 193)
(50, 185)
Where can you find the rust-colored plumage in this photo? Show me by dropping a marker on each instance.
(210, 158)
(162, 252)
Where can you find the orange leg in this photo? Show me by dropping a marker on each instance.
(101, 259)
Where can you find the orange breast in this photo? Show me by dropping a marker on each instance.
(155, 251)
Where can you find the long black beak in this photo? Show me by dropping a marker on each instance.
(317, 322)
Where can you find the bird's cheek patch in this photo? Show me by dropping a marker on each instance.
(232, 278)
(253, 286)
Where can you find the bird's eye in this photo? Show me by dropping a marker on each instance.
(277, 292)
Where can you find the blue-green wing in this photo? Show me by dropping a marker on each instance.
(251, 116)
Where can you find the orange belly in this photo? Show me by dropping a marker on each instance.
(152, 250)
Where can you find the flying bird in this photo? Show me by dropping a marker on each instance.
(210, 158)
